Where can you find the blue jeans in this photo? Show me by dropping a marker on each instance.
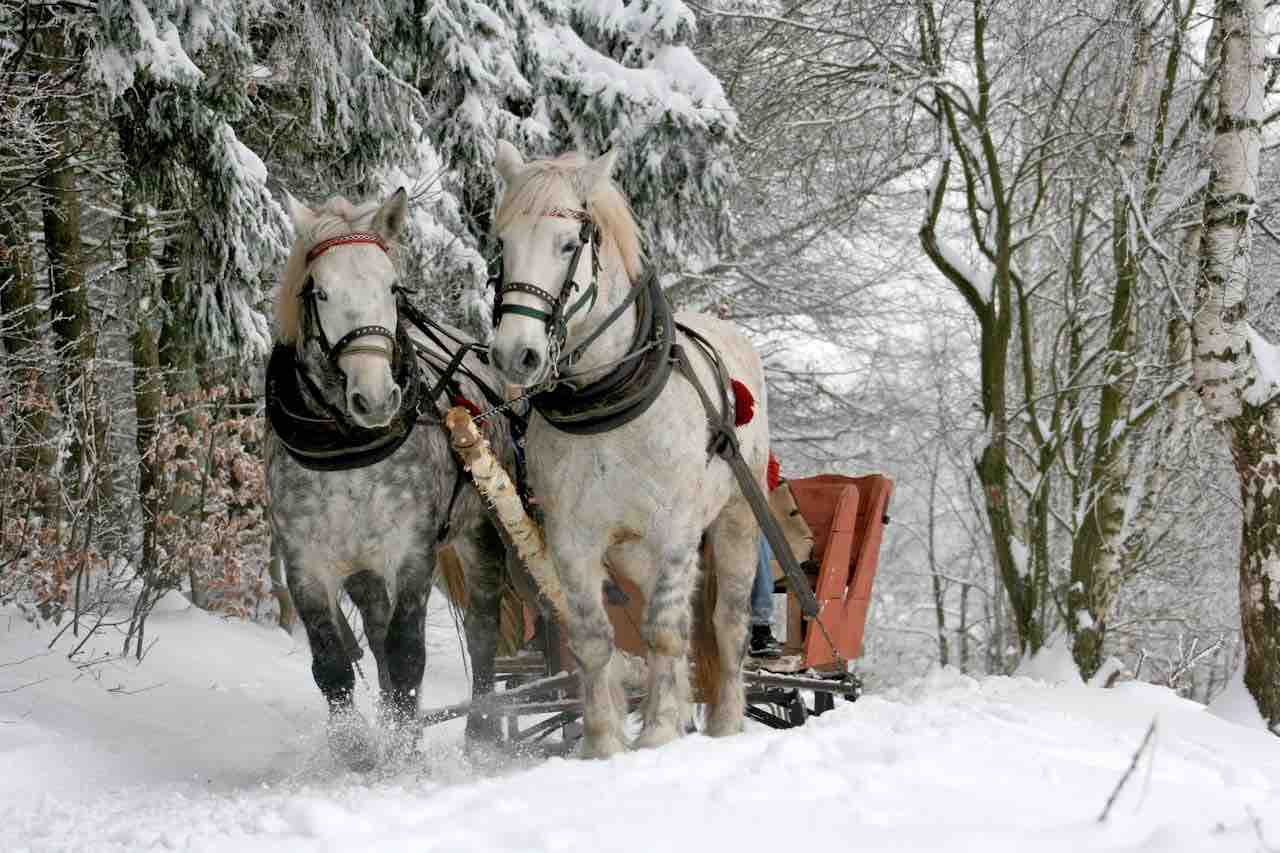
(762, 588)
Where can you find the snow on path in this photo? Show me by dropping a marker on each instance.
(226, 755)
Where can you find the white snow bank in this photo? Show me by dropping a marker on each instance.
(1053, 664)
(225, 756)
(1267, 357)
(1237, 705)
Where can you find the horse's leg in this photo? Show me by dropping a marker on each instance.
(666, 632)
(369, 592)
(406, 635)
(483, 556)
(349, 737)
(591, 644)
(733, 545)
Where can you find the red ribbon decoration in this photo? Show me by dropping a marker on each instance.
(354, 237)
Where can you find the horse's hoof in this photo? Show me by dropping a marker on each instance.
(401, 741)
(725, 726)
(655, 736)
(485, 755)
(352, 742)
(483, 728)
(606, 746)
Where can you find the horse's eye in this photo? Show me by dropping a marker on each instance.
(569, 248)
(322, 294)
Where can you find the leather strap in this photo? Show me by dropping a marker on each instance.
(724, 439)
(355, 237)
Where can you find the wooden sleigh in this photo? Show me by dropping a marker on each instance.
(846, 517)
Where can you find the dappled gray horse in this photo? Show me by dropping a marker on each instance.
(362, 482)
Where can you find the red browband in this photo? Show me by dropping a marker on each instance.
(346, 240)
(568, 213)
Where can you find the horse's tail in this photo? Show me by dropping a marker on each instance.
(452, 579)
(708, 669)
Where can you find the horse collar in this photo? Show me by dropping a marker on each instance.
(627, 391)
(328, 441)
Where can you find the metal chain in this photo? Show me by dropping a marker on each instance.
(502, 407)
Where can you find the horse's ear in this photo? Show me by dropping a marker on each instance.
(508, 161)
(301, 215)
(599, 170)
(390, 218)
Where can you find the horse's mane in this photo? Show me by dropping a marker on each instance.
(534, 194)
(336, 216)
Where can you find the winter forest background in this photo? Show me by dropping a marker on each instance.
(974, 240)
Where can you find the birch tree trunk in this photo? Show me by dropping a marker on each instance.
(1235, 371)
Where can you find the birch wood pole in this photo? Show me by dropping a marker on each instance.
(495, 485)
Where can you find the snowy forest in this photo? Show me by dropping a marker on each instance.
(1021, 257)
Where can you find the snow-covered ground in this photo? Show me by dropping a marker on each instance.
(214, 742)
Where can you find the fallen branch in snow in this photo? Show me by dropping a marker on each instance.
(495, 485)
(23, 660)
(120, 691)
(25, 686)
(1133, 764)
(1256, 822)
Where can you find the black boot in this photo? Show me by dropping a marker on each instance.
(763, 644)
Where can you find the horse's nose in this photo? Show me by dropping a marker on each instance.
(370, 413)
(518, 364)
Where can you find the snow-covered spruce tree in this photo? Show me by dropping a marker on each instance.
(1237, 373)
(355, 123)
(233, 230)
(550, 75)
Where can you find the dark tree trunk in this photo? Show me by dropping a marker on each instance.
(34, 452)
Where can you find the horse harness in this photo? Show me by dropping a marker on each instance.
(328, 440)
(639, 377)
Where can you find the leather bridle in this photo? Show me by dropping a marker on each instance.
(557, 318)
(310, 295)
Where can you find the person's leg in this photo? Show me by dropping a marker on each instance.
(762, 589)
(763, 644)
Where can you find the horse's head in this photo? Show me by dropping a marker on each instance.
(554, 218)
(338, 303)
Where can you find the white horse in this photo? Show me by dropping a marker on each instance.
(636, 499)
